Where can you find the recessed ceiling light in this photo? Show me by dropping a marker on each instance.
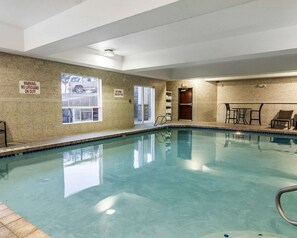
(108, 53)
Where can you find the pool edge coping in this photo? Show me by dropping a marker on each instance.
(49, 145)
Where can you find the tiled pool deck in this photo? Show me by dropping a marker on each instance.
(13, 225)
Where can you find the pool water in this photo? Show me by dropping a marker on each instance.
(169, 183)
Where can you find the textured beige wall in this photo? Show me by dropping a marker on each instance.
(35, 117)
(277, 91)
(204, 99)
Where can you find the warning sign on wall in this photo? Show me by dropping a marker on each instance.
(29, 87)
(118, 93)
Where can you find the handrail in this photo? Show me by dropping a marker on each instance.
(163, 120)
(279, 206)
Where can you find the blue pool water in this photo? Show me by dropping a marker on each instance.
(172, 183)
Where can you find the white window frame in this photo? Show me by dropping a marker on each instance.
(152, 104)
(72, 108)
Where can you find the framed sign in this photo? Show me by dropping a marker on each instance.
(118, 93)
(29, 87)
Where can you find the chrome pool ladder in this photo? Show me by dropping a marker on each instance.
(279, 206)
(160, 120)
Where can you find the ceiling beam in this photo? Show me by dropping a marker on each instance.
(239, 47)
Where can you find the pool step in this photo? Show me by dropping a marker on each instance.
(12, 225)
(243, 234)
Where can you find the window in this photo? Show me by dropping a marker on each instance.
(144, 104)
(81, 99)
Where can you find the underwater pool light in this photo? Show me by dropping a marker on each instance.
(110, 211)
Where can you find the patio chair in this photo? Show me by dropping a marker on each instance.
(283, 117)
(230, 114)
(295, 121)
(255, 115)
(3, 131)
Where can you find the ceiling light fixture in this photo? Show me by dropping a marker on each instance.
(108, 53)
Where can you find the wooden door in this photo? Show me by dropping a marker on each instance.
(185, 103)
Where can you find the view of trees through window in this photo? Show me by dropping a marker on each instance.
(81, 98)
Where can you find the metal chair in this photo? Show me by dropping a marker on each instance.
(230, 114)
(257, 114)
(283, 117)
(3, 131)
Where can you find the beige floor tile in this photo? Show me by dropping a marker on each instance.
(10, 218)
(5, 212)
(5, 233)
(17, 224)
(37, 234)
(2, 206)
(13, 225)
(25, 230)
(21, 227)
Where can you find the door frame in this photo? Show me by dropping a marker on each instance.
(190, 104)
(152, 105)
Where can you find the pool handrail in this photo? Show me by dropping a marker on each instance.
(163, 120)
(279, 206)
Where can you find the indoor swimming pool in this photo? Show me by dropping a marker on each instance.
(168, 183)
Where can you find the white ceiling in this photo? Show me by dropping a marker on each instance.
(26, 13)
(166, 39)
